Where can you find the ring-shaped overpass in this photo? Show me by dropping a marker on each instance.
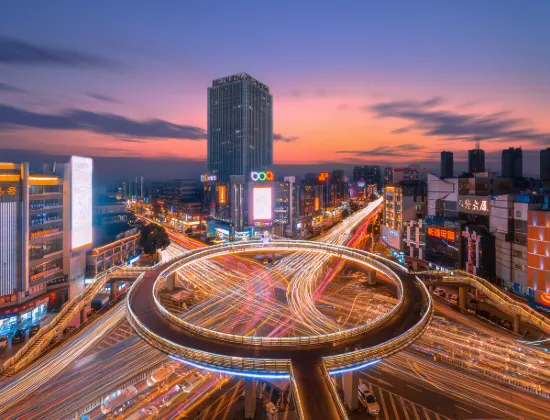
(306, 359)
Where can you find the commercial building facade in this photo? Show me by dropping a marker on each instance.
(45, 231)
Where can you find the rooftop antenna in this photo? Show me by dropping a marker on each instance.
(477, 143)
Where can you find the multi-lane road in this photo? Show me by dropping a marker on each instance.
(411, 385)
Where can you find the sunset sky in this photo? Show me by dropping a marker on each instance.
(355, 83)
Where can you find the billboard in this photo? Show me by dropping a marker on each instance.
(81, 202)
(473, 204)
(262, 203)
(208, 177)
(323, 176)
(442, 233)
(391, 237)
(222, 194)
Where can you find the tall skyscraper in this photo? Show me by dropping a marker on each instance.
(447, 164)
(545, 165)
(369, 173)
(240, 126)
(476, 159)
(512, 163)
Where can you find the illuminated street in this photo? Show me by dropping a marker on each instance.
(471, 351)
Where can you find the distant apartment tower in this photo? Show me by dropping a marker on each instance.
(446, 165)
(476, 159)
(240, 126)
(369, 173)
(388, 175)
(545, 165)
(512, 163)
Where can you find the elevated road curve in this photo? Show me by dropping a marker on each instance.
(307, 360)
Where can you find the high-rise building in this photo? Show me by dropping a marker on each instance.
(338, 185)
(545, 165)
(359, 173)
(285, 205)
(45, 231)
(446, 165)
(240, 126)
(476, 159)
(512, 163)
(388, 175)
(368, 173)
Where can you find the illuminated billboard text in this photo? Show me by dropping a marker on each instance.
(81, 201)
(208, 178)
(222, 194)
(262, 203)
(473, 204)
(262, 176)
(442, 233)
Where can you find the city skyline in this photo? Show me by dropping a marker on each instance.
(126, 96)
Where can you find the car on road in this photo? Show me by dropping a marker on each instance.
(438, 291)
(195, 380)
(34, 329)
(19, 336)
(161, 373)
(367, 400)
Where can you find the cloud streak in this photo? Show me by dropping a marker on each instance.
(429, 118)
(77, 119)
(387, 151)
(4, 87)
(103, 98)
(16, 52)
(284, 139)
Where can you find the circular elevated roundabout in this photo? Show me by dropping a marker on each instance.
(299, 357)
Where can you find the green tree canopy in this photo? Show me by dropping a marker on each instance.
(153, 238)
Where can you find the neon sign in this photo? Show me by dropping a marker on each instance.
(474, 205)
(262, 176)
(323, 176)
(8, 191)
(208, 178)
(442, 233)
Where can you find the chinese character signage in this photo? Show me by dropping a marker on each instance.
(473, 204)
(323, 176)
(8, 191)
(447, 234)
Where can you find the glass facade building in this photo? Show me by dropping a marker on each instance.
(240, 126)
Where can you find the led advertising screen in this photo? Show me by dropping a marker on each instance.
(81, 202)
(262, 203)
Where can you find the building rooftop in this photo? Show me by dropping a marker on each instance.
(104, 235)
(237, 77)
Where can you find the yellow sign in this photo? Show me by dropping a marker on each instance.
(8, 191)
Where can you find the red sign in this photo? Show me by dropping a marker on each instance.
(323, 176)
(442, 233)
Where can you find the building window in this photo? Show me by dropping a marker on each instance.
(518, 213)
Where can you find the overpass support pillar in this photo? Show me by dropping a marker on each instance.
(249, 398)
(431, 289)
(462, 297)
(517, 323)
(372, 277)
(114, 285)
(83, 315)
(350, 384)
(171, 282)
